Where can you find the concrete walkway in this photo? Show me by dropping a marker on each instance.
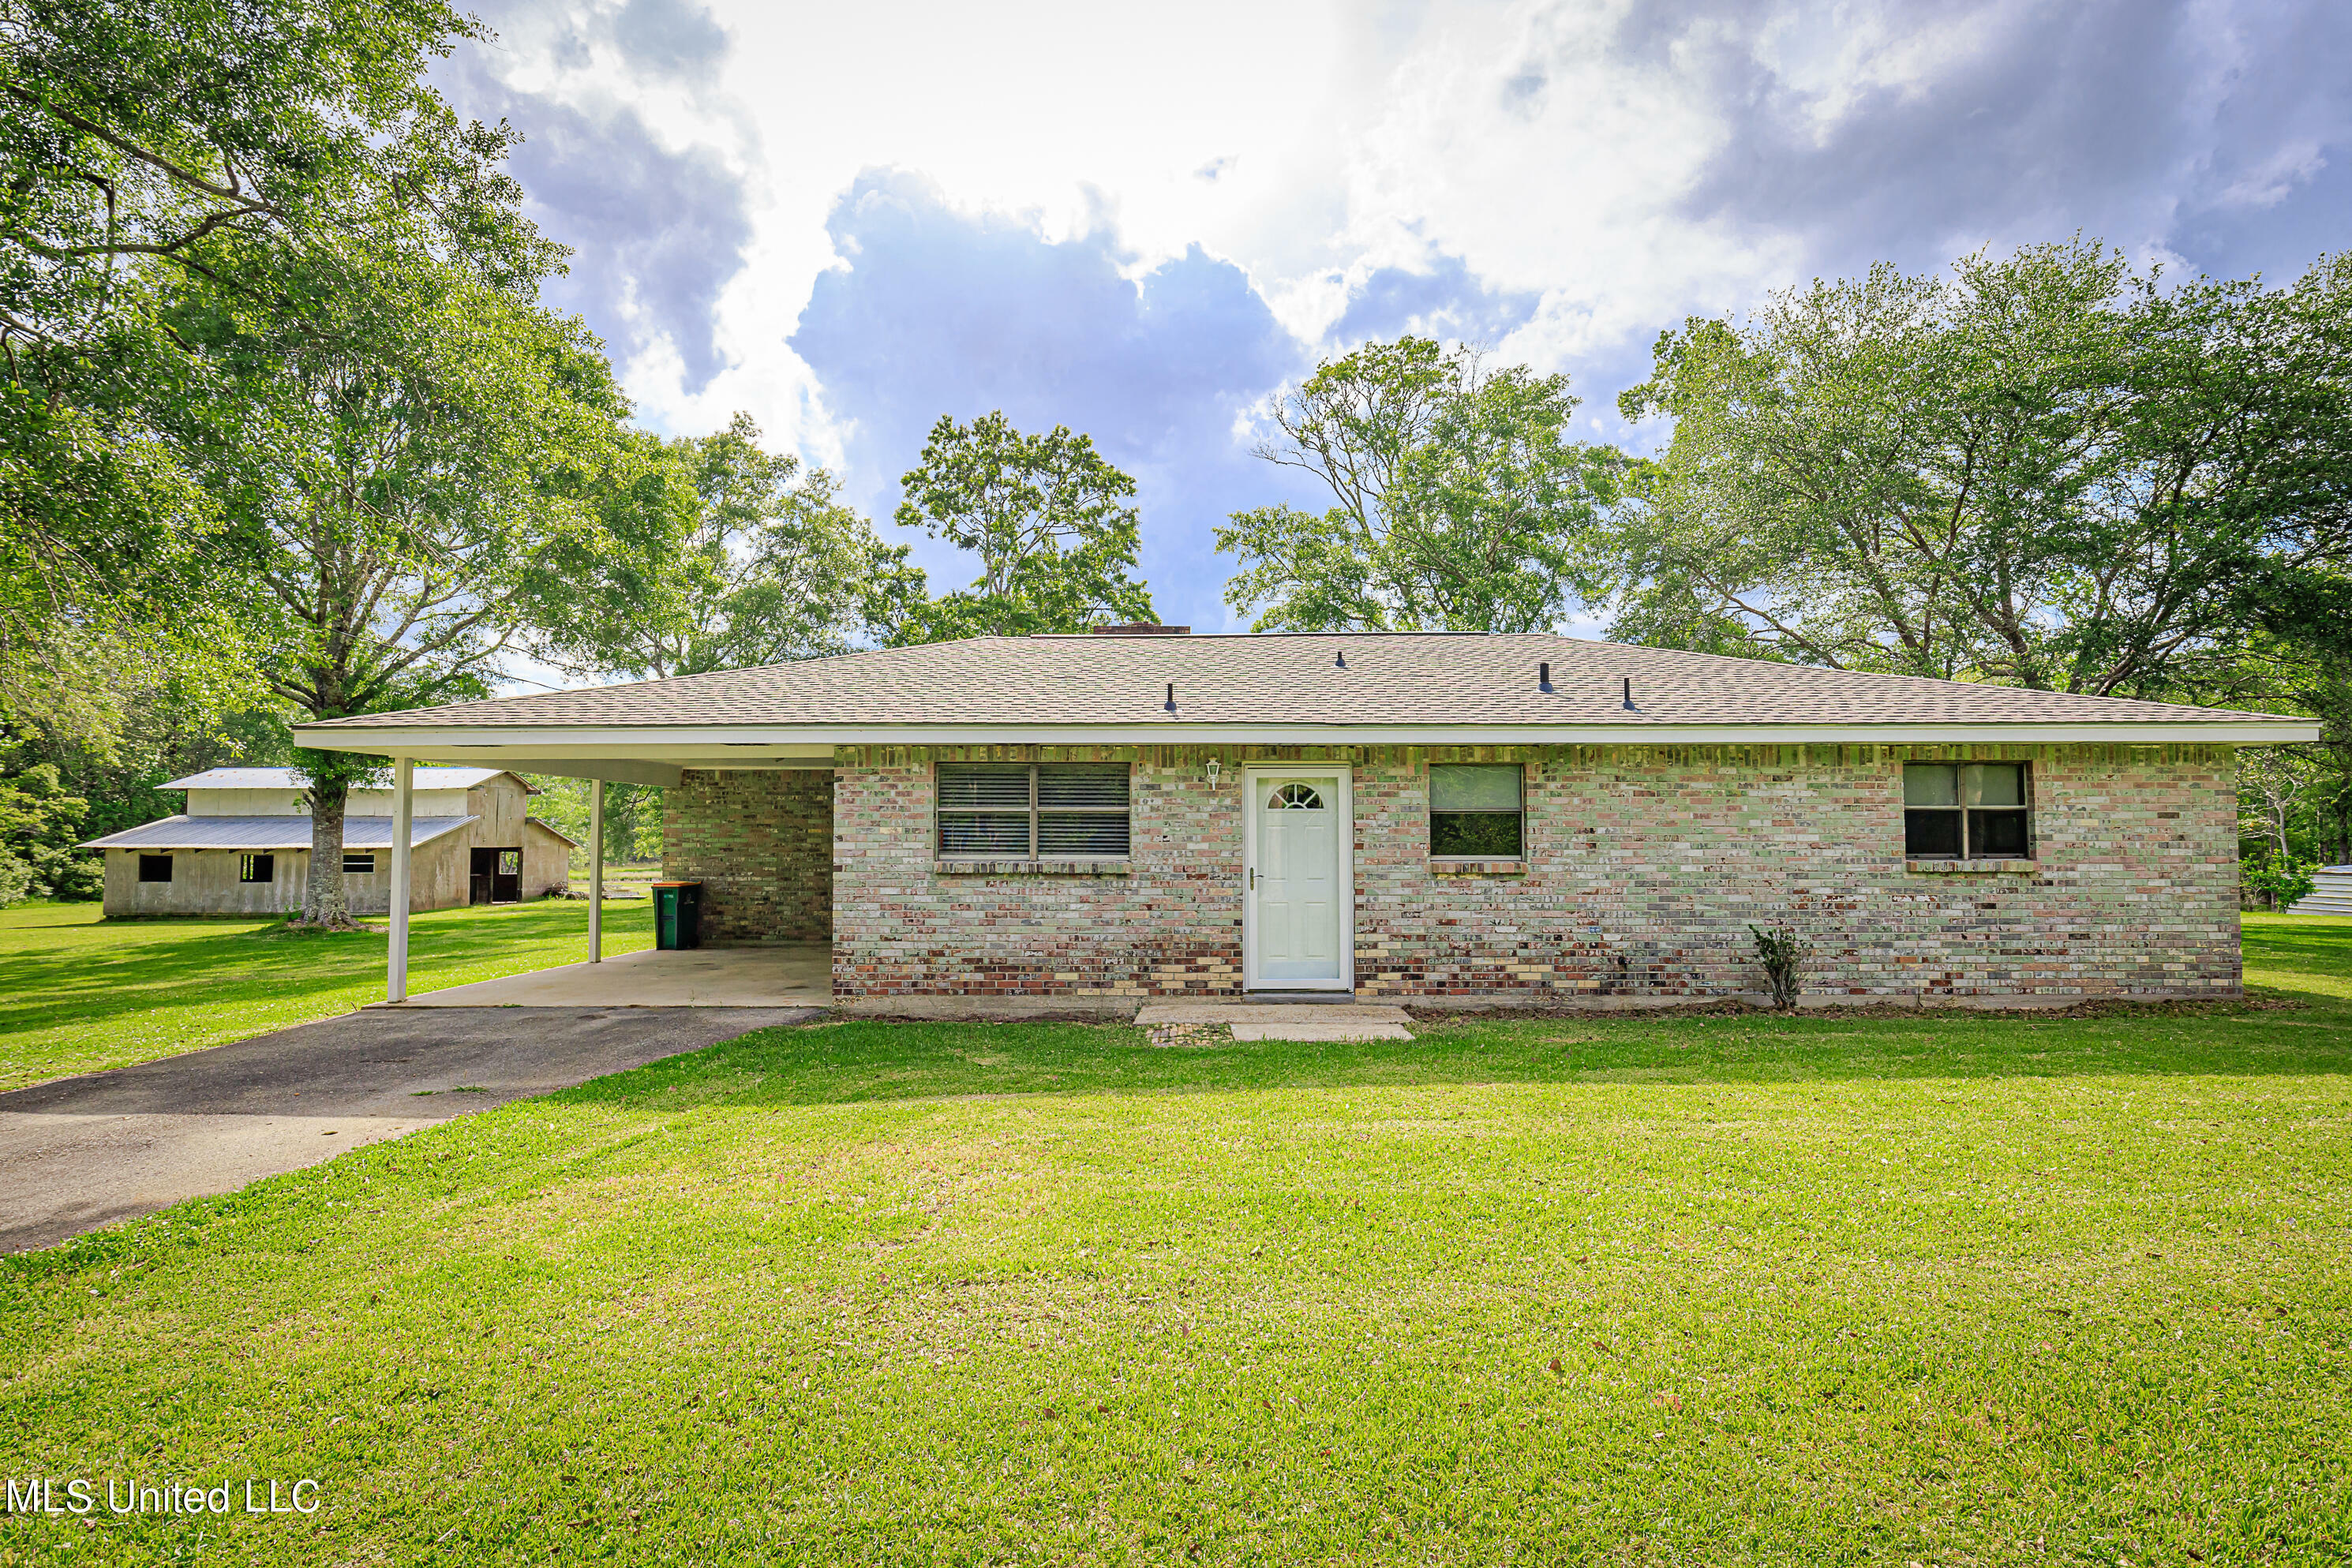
(85, 1152)
(1280, 1020)
(782, 975)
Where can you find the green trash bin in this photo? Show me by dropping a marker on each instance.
(677, 914)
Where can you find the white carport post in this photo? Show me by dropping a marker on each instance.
(403, 818)
(595, 871)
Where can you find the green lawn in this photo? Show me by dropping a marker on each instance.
(78, 993)
(1937, 1289)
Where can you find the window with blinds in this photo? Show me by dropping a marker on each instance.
(1475, 811)
(1032, 811)
(1967, 810)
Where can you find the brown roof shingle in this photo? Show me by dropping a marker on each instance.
(1395, 678)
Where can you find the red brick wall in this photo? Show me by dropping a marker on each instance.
(760, 843)
(1646, 866)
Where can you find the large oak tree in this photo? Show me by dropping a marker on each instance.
(1460, 500)
(154, 152)
(1050, 520)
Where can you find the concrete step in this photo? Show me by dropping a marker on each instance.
(1185, 1022)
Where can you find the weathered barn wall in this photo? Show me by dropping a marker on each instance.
(203, 882)
(760, 843)
(546, 861)
(1645, 867)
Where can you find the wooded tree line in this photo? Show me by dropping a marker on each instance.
(287, 431)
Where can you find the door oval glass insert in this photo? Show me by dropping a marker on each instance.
(1296, 797)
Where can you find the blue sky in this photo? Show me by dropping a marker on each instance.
(1141, 222)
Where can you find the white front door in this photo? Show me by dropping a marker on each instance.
(1298, 919)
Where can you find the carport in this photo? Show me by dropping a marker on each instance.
(760, 974)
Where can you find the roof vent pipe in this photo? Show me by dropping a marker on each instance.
(1339, 658)
(1629, 696)
(1171, 697)
(1543, 677)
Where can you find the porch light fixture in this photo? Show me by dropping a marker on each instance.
(1213, 766)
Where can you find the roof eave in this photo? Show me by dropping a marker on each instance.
(711, 745)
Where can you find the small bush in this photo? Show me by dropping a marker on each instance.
(1782, 953)
(2283, 883)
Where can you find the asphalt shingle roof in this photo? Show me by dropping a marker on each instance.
(1398, 678)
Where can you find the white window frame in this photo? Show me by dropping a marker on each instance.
(1428, 812)
(1035, 856)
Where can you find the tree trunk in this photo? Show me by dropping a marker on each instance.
(324, 903)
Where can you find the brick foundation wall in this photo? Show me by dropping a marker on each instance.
(1646, 865)
(760, 843)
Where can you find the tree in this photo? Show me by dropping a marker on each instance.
(633, 826)
(2042, 470)
(1461, 503)
(432, 435)
(709, 557)
(39, 823)
(2303, 661)
(1048, 517)
(153, 152)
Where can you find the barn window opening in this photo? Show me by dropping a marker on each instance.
(1966, 811)
(1476, 812)
(257, 868)
(359, 865)
(154, 868)
(1032, 811)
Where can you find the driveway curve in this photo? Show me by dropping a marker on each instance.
(80, 1153)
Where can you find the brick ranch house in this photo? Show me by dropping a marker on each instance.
(1525, 818)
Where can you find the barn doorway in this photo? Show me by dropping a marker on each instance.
(495, 876)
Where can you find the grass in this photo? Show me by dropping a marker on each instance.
(1946, 1290)
(78, 993)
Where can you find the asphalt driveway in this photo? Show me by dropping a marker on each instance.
(84, 1152)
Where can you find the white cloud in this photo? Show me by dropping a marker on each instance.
(1627, 160)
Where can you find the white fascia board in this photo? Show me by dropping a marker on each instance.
(751, 746)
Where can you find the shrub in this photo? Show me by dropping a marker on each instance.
(1781, 952)
(2283, 881)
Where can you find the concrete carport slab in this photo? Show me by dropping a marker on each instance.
(794, 973)
(80, 1153)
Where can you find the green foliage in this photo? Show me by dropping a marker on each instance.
(2042, 470)
(632, 816)
(2282, 882)
(1780, 954)
(407, 443)
(39, 823)
(709, 557)
(1462, 503)
(162, 162)
(1047, 516)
